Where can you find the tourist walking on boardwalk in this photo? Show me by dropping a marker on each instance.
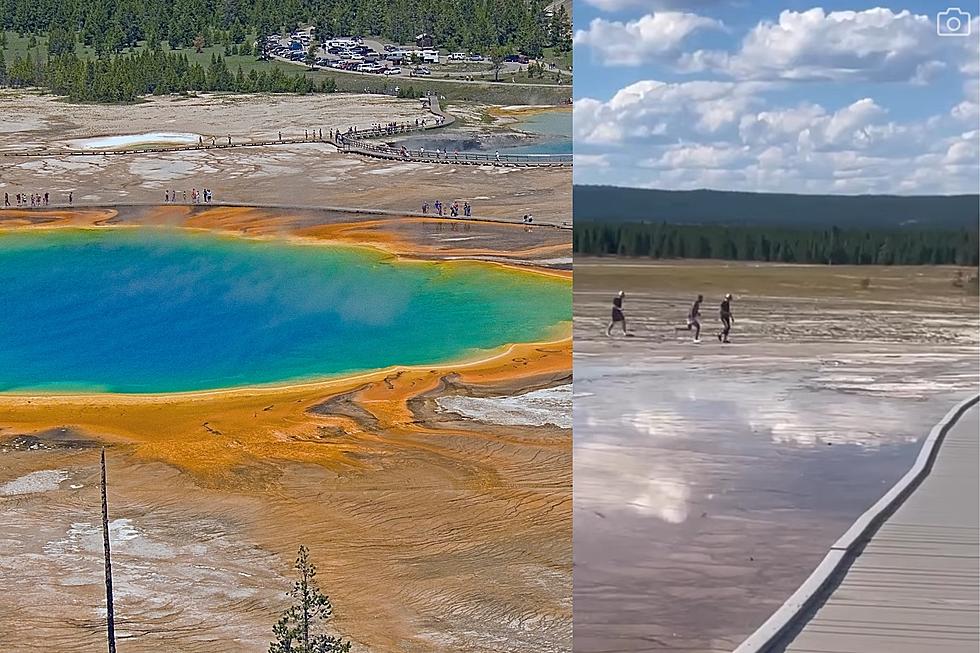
(727, 319)
(439, 207)
(70, 197)
(6, 200)
(166, 197)
(466, 209)
(229, 139)
(617, 314)
(425, 207)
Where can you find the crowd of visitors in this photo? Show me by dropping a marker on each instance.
(24, 200)
(203, 196)
(454, 209)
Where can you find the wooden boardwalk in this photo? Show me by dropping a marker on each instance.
(915, 586)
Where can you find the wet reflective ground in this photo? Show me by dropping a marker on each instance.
(710, 479)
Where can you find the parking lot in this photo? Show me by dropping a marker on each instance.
(360, 55)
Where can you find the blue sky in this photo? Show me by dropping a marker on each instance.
(838, 97)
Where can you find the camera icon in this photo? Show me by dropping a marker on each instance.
(953, 22)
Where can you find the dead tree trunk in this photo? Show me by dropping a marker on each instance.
(110, 619)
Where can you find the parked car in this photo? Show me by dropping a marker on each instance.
(393, 71)
(421, 70)
(476, 57)
(457, 56)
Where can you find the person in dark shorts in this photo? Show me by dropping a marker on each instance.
(727, 319)
(694, 318)
(617, 314)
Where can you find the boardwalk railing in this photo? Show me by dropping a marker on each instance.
(354, 141)
(171, 148)
(357, 142)
(397, 213)
(462, 158)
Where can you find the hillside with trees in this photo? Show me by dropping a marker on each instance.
(821, 229)
(114, 51)
(714, 207)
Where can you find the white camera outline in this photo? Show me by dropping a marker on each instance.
(942, 21)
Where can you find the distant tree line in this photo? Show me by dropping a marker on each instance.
(832, 245)
(126, 77)
(721, 207)
(476, 25)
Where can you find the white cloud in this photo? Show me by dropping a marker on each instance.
(648, 38)
(874, 45)
(588, 126)
(726, 135)
(699, 156)
(592, 160)
(652, 109)
(968, 110)
(963, 151)
(744, 125)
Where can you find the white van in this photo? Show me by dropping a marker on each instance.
(457, 56)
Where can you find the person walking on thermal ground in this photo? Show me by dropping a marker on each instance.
(618, 317)
(727, 319)
(694, 319)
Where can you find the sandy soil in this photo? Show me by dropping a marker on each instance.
(432, 531)
(307, 174)
(710, 479)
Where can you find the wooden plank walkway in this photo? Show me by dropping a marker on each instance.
(915, 588)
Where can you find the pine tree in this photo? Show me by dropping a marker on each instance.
(311, 51)
(297, 629)
(560, 30)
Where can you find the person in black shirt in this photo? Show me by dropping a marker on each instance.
(617, 314)
(727, 319)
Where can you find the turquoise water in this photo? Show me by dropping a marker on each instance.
(552, 130)
(145, 310)
(555, 128)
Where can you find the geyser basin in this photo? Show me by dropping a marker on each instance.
(145, 310)
(133, 140)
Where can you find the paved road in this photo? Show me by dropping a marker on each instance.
(915, 587)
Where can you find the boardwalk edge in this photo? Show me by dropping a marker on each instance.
(770, 632)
